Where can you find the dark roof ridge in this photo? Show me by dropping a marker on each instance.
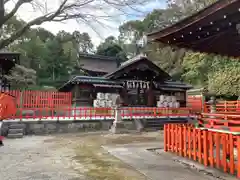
(96, 56)
(135, 59)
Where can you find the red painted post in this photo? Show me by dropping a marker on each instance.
(224, 154)
(231, 153)
(177, 139)
(205, 148)
(180, 140)
(165, 137)
(217, 142)
(238, 156)
(194, 145)
(189, 143)
(172, 137)
(184, 141)
(211, 151)
(199, 146)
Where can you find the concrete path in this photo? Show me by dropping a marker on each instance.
(156, 167)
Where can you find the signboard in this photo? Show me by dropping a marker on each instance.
(137, 84)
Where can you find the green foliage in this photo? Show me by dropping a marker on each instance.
(225, 80)
(110, 47)
(54, 58)
(21, 77)
(220, 75)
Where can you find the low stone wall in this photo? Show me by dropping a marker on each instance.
(50, 127)
(41, 127)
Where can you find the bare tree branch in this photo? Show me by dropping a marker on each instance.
(14, 10)
(5, 1)
(84, 11)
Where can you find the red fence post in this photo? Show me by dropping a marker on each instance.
(238, 156)
(211, 154)
(217, 141)
(168, 137)
(189, 143)
(231, 153)
(199, 146)
(194, 145)
(184, 141)
(165, 137)
(205, 148)
(224, 154)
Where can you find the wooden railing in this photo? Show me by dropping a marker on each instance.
(224, 107)
(41, 99)
(227, 122)
(221, 107)
(214, 149)
(89, 113)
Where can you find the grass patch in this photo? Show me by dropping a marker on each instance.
(100, 165)
(93, 162)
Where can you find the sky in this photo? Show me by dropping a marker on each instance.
(97, 32)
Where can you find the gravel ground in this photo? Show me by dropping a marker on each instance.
(37, 158)
(77, 156)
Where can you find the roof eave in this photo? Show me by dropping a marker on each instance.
(189, 20)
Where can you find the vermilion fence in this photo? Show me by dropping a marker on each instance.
(197, 105)
(88, 113)
(214, 149)
(225, 107)
(195, 102)
(41, 99)
(228, 121)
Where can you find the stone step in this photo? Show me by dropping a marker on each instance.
(16, 126)
(15, 131)
(18, 135)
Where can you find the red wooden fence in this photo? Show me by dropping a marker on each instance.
(214, 149)
(195, 102)
(41, 99)
(229, 121)
(225, 107)
(197, 105)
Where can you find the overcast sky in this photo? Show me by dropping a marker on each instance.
(111, 27)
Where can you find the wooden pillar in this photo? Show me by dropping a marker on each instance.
(123, 95)
(75, 93)
(150, 97)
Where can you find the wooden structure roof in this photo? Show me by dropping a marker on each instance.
(215, 29)
(89, 80)
(139, 67)
(96, 65)
(138, 62)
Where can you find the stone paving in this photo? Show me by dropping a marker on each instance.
(32, 158)
(161, 165)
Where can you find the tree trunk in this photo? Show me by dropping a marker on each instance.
(1, 11)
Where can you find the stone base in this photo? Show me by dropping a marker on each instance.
(118, 128)
(139, 125)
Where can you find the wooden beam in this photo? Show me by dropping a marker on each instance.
(1, 9)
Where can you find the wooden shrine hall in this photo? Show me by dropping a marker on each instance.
(215, 29)
(7, 62)
(138, 81)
